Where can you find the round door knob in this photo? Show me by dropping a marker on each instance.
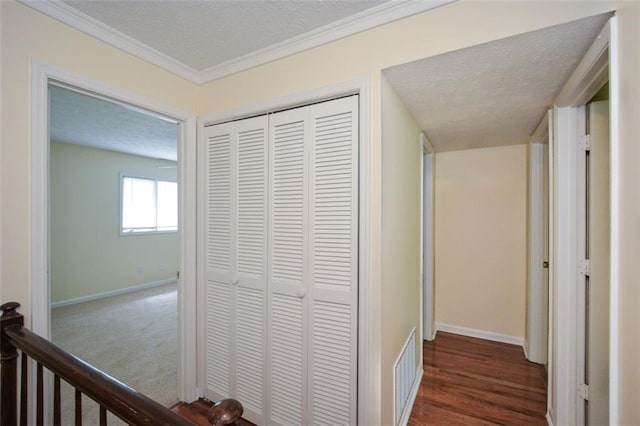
(302, 293)
(234, 282)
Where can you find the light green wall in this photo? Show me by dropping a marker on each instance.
(401, 160)
(88, 254)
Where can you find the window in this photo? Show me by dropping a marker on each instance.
(148, 205)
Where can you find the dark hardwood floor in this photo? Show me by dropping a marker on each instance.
(470, 381)
(466, 381)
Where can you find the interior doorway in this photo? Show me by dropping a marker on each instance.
(114, 248)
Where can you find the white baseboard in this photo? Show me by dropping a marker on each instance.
(112, 293)
(404, 419)
(481, 334)
(435, 332)
(549, 419)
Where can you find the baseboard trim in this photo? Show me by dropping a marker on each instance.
(112, 293)
(481, 334)
(549, 419)
(404, 419)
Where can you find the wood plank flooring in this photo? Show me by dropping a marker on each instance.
(474, 381)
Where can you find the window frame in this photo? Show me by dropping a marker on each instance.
(121, 200)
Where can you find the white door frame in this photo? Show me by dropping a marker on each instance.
(42, 75)
(427, 237)
(536, 343)
(566, 322)
(368, 324)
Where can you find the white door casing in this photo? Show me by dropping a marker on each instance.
(44, 74)
(428, 238)
(598, 253)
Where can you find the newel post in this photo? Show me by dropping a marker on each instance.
(9, 365)
(225, 413)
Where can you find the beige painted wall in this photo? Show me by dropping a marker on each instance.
(481, 241)
(27, 35)
(88, 254)
(625, 332)
(401, 161)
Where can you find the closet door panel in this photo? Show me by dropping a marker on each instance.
(333, 262)
(288, 254)
(250, 278)
(220, 262)
(236, 246)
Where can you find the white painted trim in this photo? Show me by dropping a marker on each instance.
(551, 257)
(541, 133)
(187, 292)
(368, 337)
(42, 75)
(415, 387)
(423, 219)
(112, 293)
(548, 418)
(615, 104)
(480, 334)
(537, 300)
(565, 261)
(426, 144)
(581, 241)
(427, 239)
(376, 16)
(590, 74)
(201, 306)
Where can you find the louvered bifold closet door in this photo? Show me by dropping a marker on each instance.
(333, 262)
(237, 234)
(288, 259)
(313, 264)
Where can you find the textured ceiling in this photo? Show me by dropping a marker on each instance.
(493, 94)
(84, 120)
(203, 34)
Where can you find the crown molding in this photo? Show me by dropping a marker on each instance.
(376, 16)
(385, 13)
(88, 25)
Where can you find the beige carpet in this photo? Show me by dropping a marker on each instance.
(132, 337)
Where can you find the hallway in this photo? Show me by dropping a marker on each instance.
(474, 381)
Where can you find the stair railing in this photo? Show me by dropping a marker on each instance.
(111, 395)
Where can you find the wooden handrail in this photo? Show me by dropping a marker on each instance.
(115, 396)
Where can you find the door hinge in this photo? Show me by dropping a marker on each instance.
(585, 267)
(178, 275)
(585, 143)
(583, 391)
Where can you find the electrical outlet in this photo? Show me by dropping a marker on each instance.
(162, 267)
(139, 270)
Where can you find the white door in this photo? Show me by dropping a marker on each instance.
(281, 251)
(598, 221)
(236, 212)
